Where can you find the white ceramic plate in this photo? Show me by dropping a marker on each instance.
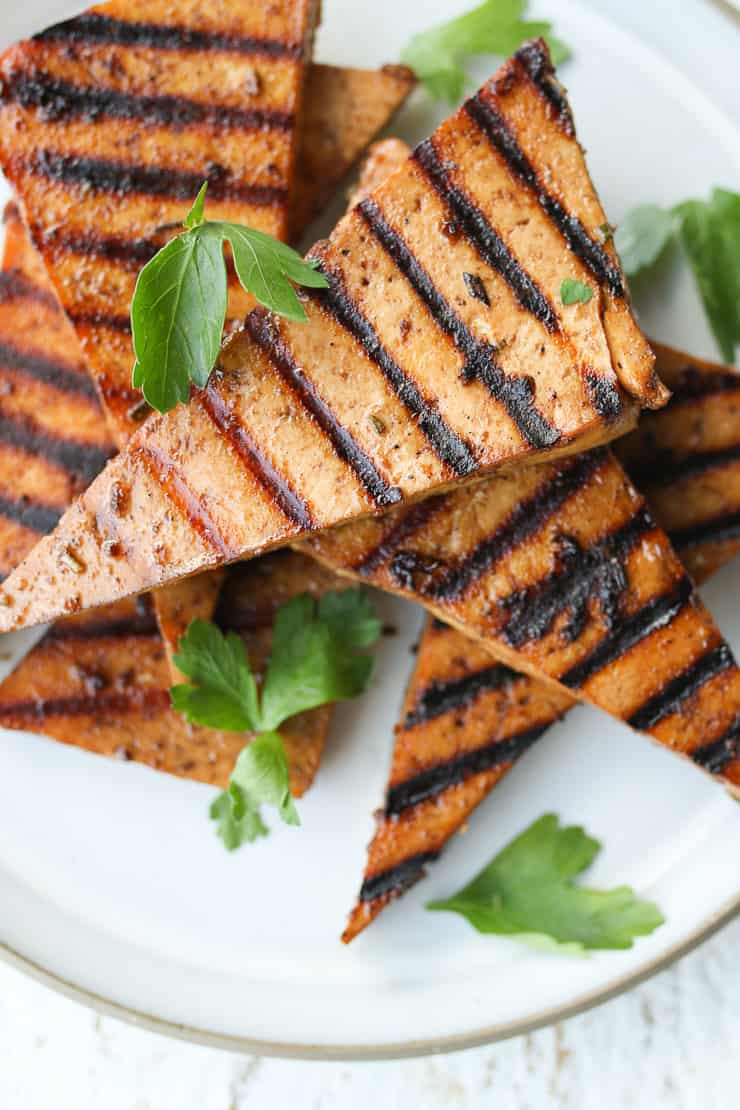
(112, 884)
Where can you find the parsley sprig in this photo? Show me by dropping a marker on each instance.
(495, 27)
(709, 232)
(179, 307)
(527, 893)
(318, 656)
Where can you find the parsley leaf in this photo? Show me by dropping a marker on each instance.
(575, 292)
(709, 232)
(643, 235)
(527, 892)
(495, 27)
(179, 306)
(710, 235)
(316, 658)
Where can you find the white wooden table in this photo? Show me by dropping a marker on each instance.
(671, 1044)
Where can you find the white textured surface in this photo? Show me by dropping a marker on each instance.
(669, 1045)
(672, 1043)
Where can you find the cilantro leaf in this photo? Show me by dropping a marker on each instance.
(710, 234)
(224, 692)
(179, 306)
(316, 659)
(643, 235)
(495, 27)
(527, 892)
(575, 292)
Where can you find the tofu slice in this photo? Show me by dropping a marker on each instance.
(467, 719)
(402, 383)
(111, 122)
(100, 681)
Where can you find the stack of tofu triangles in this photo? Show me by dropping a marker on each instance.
(391, 438)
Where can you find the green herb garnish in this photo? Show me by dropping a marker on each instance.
(575, 292)
(317, 657)
(527, 893)
(496, 27)
(179, 307)
(709, 232)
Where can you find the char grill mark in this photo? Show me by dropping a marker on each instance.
(118, 702)
(120, 178)
(666, 467)
(453, 451)
(396, 879)
(694, 384)
(407, 524)
(683, 686)
(539, 69)
(94, 28)
(82, 460)
(486, 240)
(132, 253)
(525, 521)
(656, 614)
(82, 319)
(182, 497)
(345, 447)
(435, 780)
(591, 253)
(439, 697)
(715, 756)
(142, 625)
(53, 373)
(604, 395)
(15, 286)
(582, 575)
(279, 491)
(30, 514)
(59, 100)
(709, 531)
(516, 394)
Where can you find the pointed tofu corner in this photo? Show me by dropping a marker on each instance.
(441, 351)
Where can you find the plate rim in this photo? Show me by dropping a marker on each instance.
(490, 1034)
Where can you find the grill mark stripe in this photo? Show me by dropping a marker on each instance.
(134, 253)
(30, 514)
(93, 28)
(514, 393)
(447, 444)
(345, 447)
(82, 460)
(539, 69)
(143, 625)
(693, 384)
(16, 286)
(46, 370)
(81, 318)
(534, 610)
(177, 490)
(714, 757)
(396, 879)
(439, 698)
(57, 100)
(410, 522)
(683, 686)
(524, 521)
(604, 395)
(666, 468)
(657, 614)
(102, 176)
(502, 139)
(291, 505)
(94, 705)
(436, 780)
(486, 240)
(717, 530)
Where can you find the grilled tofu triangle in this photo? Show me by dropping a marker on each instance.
(467, 718)
(402, 383)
